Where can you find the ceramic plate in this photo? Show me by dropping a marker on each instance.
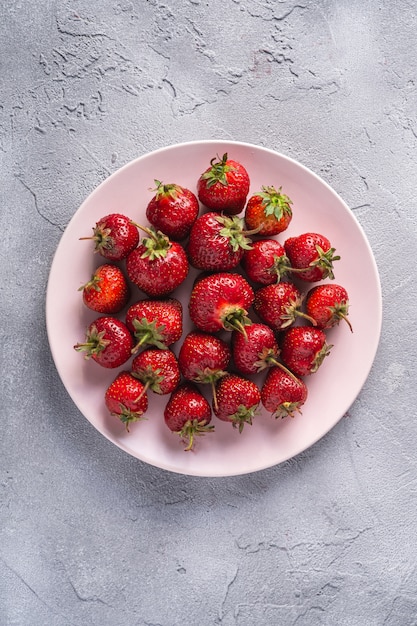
(332, 390)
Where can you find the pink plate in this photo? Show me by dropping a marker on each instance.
(332, 390)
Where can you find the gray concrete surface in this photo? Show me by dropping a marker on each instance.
(91, 536)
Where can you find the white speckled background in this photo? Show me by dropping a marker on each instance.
(88, 534)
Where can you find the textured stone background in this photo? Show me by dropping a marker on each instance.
(92, 536)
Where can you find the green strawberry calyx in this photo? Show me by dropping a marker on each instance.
(292, 311)
(94, 342)
(233, 230)
(92, 284)
(102, 238)
(320, 356)
(210, 376)
(269, 358)
(339, 312)
(151, 379)
(148, 333)
(156, 244)
(280, 267)
(275, 203)
(191, 428)
(235, 317)
(217, 172)
(324, 261)
(170, 190)
(127, 416)
(243, 415)
(287, 409)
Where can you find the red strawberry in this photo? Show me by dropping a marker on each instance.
(269, 211)
(155, 322)
(107, 291)
(188, 414)
(157, 369)
(328, 304)
(265, 262)
(311, 256)
(237, 400)
(108, 342)
(224, 186)
(256, 351)
(221, 302)
(115, 236)
(173, 210)
(204, 358)
(217, 242)
(126, 398)
(303, 349)
(283, 394)
(158, 265)
(279, 305)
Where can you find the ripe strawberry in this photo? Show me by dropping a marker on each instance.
(221, 302)
(157, 369)
(126, 398)
(188, 414)
(114, 236)
(311, 256)
(266, 262)
(256, 351)
(283, 394)
(237, 400)
(224, 186)
(107, 291)
(328, 304)
(269, 211)
(217, 242)
(279, 305)
(303, 349)
(172, 210)
(204, 358)
(108, 342)
(158, 265)
(155, 322)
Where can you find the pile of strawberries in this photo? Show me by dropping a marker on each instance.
(247, 286)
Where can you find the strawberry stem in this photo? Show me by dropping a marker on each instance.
(273, 361)
(345, 318)
(192, 428)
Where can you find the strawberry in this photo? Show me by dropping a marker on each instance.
(108, 342)
(221, 302)
(157, 369)
(155, 322)
(265, 262)
(172, 210)
(188, 414)
(224, 186)
(158, 265)
(311, 256)
(114, 236)
(237, 400)
(303, 349)
(126, 398)
(269, 211)
(204, 358)
(107, 291)
(328, 304)
(217, 242)
(279, 305)
(256, 351)
(283, 394)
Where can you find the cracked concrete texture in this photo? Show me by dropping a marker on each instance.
(88, 534)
